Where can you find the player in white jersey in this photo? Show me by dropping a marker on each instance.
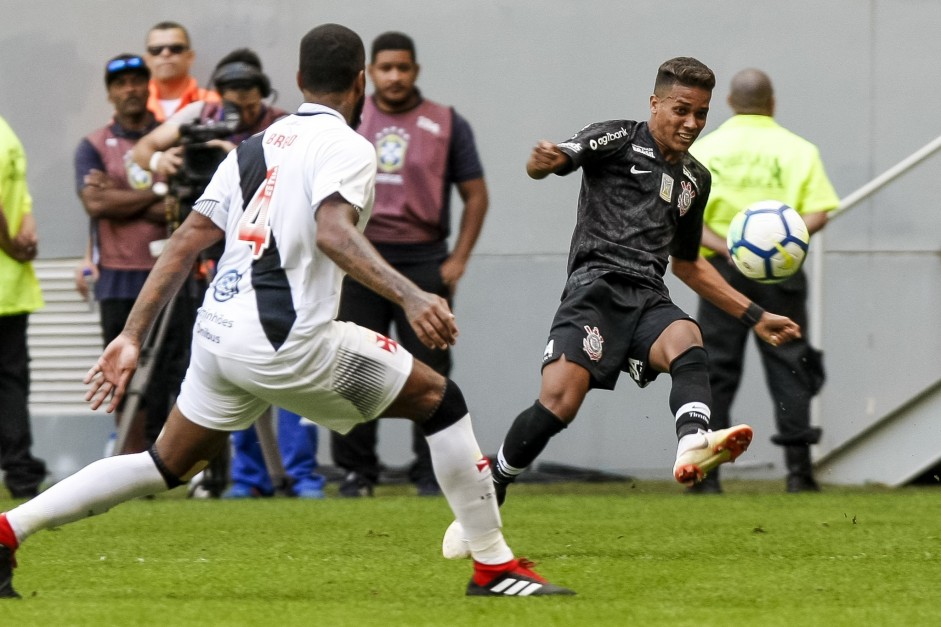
(291, 204)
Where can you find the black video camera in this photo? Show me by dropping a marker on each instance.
(200, 160)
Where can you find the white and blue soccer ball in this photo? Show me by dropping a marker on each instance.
(768, 241)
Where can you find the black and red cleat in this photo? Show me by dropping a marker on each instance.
(513, 579)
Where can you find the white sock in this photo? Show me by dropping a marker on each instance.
(92, 490)
(464, 476)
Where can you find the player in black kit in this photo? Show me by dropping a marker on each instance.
(641, 203)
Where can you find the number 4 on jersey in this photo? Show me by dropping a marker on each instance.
(254, 227)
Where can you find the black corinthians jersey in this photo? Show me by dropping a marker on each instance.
(634, 208)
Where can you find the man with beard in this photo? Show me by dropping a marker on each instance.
(423, 148)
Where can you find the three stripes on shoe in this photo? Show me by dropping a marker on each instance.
(512, 586)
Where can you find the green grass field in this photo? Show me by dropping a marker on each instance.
(638, 553)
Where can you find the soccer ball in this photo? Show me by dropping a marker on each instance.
(768, 241)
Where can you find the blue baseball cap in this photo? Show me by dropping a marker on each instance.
(124, 63)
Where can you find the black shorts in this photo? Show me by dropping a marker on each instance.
(608, 326)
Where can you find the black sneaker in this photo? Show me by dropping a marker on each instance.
(517, 581)
(356, 485)
(7, 562)
(799, 483)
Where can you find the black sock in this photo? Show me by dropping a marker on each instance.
(691, 395)
(525, 440)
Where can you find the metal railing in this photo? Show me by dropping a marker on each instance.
(846, 203)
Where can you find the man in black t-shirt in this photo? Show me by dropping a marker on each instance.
(426, 150)
(641, 203)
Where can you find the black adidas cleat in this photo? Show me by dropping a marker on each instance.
(518, 581)
(6, 574)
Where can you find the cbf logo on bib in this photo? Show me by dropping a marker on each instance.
(391, 146)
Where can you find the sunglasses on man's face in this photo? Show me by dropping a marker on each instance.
(173, 48)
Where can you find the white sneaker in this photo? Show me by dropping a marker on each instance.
(698, 453)
(454, 546)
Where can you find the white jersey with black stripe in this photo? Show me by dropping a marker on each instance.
(273, 287)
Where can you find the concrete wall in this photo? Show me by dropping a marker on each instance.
(856, 77)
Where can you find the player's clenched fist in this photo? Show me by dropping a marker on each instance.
(545, 159)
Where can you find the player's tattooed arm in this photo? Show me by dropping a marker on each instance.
(338, 238)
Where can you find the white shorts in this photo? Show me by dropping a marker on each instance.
(346, 376)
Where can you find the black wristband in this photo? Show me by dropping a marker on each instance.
(752, 315)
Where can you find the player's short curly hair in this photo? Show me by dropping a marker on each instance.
(683, 71)
(332, 56)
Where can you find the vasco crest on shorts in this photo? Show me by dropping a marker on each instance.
(592, 344)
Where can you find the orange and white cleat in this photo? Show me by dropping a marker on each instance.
(698, 453)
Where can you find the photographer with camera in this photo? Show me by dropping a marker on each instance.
(201, 126)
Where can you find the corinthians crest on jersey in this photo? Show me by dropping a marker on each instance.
(685, 200)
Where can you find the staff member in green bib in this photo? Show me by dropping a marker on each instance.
(751, 158)
(19, 296)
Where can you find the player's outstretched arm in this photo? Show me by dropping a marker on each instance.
(338, 238)
(111, 374)
(109, 377)
(709, 284)
(545, 159)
